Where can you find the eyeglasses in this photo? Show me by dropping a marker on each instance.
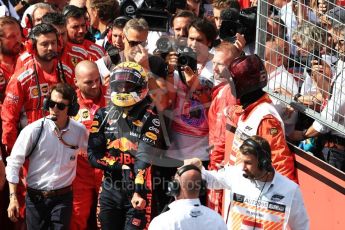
(60, 106)
(135, 43)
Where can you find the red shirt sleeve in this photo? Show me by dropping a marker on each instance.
(282, 158)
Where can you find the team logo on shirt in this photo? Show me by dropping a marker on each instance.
(273, 131)
(156, 122)
(74, 61)
(123, 144)
(277, 197)
(34, 91)
(44, 89)
(151, 135)
(137, 123)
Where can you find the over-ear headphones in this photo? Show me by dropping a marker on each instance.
(174, 186)
(264, 157)
(73, 107)
(30, 44)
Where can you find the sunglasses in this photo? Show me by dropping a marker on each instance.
(60, 106)
(135, 43)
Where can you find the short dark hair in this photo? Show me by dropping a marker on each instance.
(206, 27)
(71, 11)
(183, 14)
(40, 29)
(249, 149)
(67, 92)
(54, 18)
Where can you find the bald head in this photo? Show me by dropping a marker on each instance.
(190, 182)
(87, 79)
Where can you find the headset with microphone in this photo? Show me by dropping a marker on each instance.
(174, 187)
(264, 157)
(73, 109)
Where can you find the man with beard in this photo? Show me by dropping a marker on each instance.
(68, 54)
(28, 87)
(76, 31)
(10, 47)
(255, 185)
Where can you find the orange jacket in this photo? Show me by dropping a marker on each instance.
(270, 128)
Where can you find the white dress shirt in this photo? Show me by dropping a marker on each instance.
(280, 192)
(188, 214)
(52, 163)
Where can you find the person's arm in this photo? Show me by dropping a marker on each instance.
(15, 161)
(298, 219)
(97, 146)
(298, 135)
(214, 179)
(282, 158)
(10, 112)
(13, 207)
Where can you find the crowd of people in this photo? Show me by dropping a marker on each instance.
(105, 121)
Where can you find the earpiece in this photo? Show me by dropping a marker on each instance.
(174, 186)
(30, 47)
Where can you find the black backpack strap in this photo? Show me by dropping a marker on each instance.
(36, 140)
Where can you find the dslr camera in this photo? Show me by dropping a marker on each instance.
(186, 56)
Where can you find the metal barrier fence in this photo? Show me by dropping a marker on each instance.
(302, 44)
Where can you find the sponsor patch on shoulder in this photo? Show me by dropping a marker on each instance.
(273, 131)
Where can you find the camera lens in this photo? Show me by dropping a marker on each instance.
(163, 44)
(182, 60)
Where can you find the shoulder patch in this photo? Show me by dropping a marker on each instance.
(24, 56)
(25, 75)
(80, 50)
(97, 49)
(67, 68)
(273, 131)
